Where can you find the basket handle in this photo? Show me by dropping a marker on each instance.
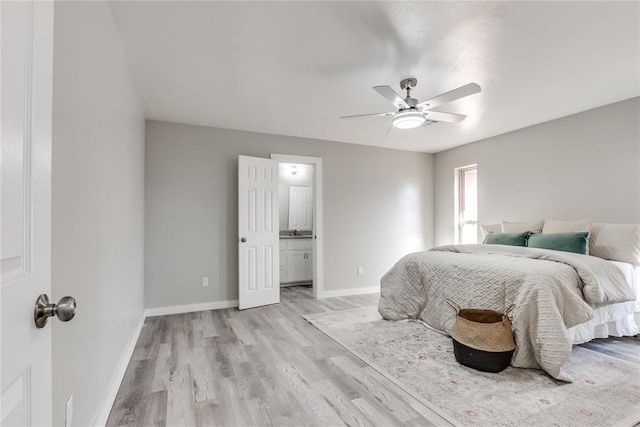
(507, 311)
(453, 305)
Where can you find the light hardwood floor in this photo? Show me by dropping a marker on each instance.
(267, 366)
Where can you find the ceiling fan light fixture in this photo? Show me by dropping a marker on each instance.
(408, 119)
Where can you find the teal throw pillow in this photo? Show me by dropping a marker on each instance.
(511, 239)
(577, 242)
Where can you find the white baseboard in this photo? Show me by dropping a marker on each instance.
(110, 396)
(347, 292)
(177, 309)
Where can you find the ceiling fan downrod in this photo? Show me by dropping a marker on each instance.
(408, 84)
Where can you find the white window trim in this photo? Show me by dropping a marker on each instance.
(459, 200)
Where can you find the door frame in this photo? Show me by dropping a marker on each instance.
(318, 259)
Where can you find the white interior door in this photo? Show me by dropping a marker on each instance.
(300, 207)
(258, 232)
(25, 251)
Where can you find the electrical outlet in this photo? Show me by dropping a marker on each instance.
(205, 281)
(68, 412)
(360, 271)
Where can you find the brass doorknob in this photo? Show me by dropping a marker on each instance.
(65, 310)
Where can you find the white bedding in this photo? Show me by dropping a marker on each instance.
(552, 291)
(622, 319)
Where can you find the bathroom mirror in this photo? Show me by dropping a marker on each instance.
(296, 196)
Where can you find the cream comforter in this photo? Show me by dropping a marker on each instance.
(552, 291)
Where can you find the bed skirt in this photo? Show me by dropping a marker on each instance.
(627, 323)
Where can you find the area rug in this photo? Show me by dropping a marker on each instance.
(605, 391)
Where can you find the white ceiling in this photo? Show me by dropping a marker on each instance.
(293, 68)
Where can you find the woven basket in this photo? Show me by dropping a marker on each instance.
(482, 339)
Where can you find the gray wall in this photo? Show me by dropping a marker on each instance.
(377, 208)
(580, 166)
(97, 206)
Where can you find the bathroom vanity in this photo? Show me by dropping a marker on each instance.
(296, 265)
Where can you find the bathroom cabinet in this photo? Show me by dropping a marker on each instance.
(296, 261)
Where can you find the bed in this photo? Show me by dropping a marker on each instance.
(617, 320)
(560, 298)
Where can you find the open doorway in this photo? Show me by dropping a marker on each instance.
(300, 198)
(295, 190)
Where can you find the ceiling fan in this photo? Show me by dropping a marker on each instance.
(412, 114)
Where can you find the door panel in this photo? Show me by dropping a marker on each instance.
(25, 229)
(258, 254)
(300, 207)
(269, 267)
(16, 149)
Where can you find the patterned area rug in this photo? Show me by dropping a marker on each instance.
(605, 391)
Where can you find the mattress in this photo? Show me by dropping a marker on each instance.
(622, 319)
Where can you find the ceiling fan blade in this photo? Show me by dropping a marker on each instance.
(392, 96)
(390, 113)
(428, 123)
(452, 95)
(440, 116)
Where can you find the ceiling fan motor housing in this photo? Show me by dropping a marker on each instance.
(412, 102)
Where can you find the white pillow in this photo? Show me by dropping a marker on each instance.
(489, 229)
(521, 227)
(616, 242)
(567, 226)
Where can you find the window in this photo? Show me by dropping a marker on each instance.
(467, 204)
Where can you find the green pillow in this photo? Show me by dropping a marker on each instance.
(577, 242)
(512, 239)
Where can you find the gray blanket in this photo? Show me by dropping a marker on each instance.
(551, 290)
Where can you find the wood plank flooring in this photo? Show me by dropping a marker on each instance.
(267, 367)
(625, 348)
